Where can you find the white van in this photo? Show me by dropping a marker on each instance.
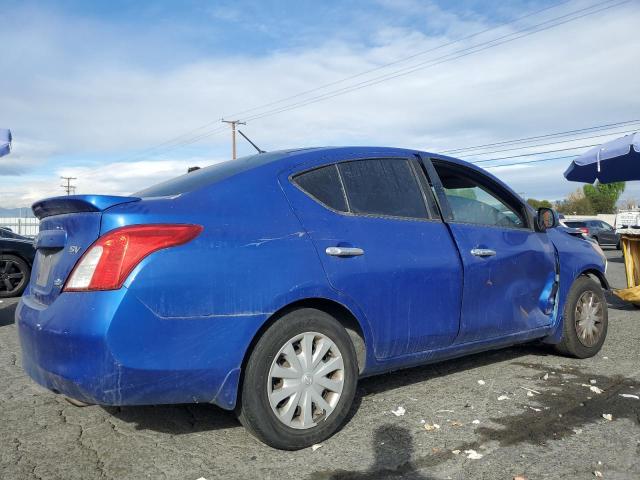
(628, 222)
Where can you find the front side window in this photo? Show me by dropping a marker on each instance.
(473, 202)
(383, 187)
(323, 184)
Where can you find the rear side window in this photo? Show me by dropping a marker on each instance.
(323, 184)
(383, 187)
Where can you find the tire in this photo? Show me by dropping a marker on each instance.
(259, 385)
(575, 343)
(618, 245)
(14, 276)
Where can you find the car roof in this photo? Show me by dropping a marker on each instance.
(300, 158)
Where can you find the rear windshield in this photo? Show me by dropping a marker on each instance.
(207, 176)
(575, 224)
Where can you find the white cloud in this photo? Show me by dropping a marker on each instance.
(65, 99)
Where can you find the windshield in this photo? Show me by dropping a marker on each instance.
(206, 176)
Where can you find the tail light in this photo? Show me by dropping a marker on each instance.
(111, 258)
(584, 230)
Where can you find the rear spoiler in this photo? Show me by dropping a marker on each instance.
(77, 203)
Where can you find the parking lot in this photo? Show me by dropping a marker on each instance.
(519, 411)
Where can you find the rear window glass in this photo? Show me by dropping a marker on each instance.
(383, 187)
(323, 184)
(206, 176)
(575, 224)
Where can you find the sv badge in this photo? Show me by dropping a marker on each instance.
(74, 249)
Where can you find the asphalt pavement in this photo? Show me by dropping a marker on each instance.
(519, 411)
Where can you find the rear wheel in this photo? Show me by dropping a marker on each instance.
(14, 276)
(585, 319)
(299, 381)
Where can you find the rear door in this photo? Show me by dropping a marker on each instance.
(382, 244)
(509, 268)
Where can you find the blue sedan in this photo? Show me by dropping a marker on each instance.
(270, 284)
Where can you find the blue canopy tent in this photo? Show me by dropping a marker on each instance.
(615, 161)
(5, 141)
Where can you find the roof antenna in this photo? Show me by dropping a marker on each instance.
(252, 144)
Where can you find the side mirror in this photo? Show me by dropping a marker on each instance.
(546, 219)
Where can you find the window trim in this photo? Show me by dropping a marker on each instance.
(293, 176)
(431, 216)
(486, 183)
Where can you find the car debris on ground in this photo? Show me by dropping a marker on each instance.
(473, 455)
(399, 412)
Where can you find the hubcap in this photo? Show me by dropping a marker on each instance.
(588, 317)
(11, 276)
(305, 380)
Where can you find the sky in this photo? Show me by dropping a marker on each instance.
(124, 94)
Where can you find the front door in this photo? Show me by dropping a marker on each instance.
(383, 245)
(509, 268)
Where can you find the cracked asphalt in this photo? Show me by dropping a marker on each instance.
(549, 424)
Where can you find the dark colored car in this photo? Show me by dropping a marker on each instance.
(268, 285)
(600, 231)
(16, 257)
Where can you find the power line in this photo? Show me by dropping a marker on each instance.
(467, 155)
(401, 60)
(351, 77)
(446, 58)
(542, 26)
(539, 137)
(532, 154)
(530, 161)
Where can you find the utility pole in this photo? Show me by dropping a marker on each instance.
(68, 187)
(233, 124)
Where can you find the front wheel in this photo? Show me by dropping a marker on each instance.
(299, 381)
(585, 319)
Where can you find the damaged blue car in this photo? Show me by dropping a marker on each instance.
(270, 284)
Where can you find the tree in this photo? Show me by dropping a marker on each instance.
(539, 203)
(604, 196)
(576, 204)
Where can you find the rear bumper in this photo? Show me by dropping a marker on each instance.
(109, 348)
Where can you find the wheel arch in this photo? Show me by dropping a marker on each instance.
(597, 275)
(336, 309)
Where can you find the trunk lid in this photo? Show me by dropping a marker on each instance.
(68, 226)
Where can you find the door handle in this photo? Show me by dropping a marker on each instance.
(344, 251)
(483, 252)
